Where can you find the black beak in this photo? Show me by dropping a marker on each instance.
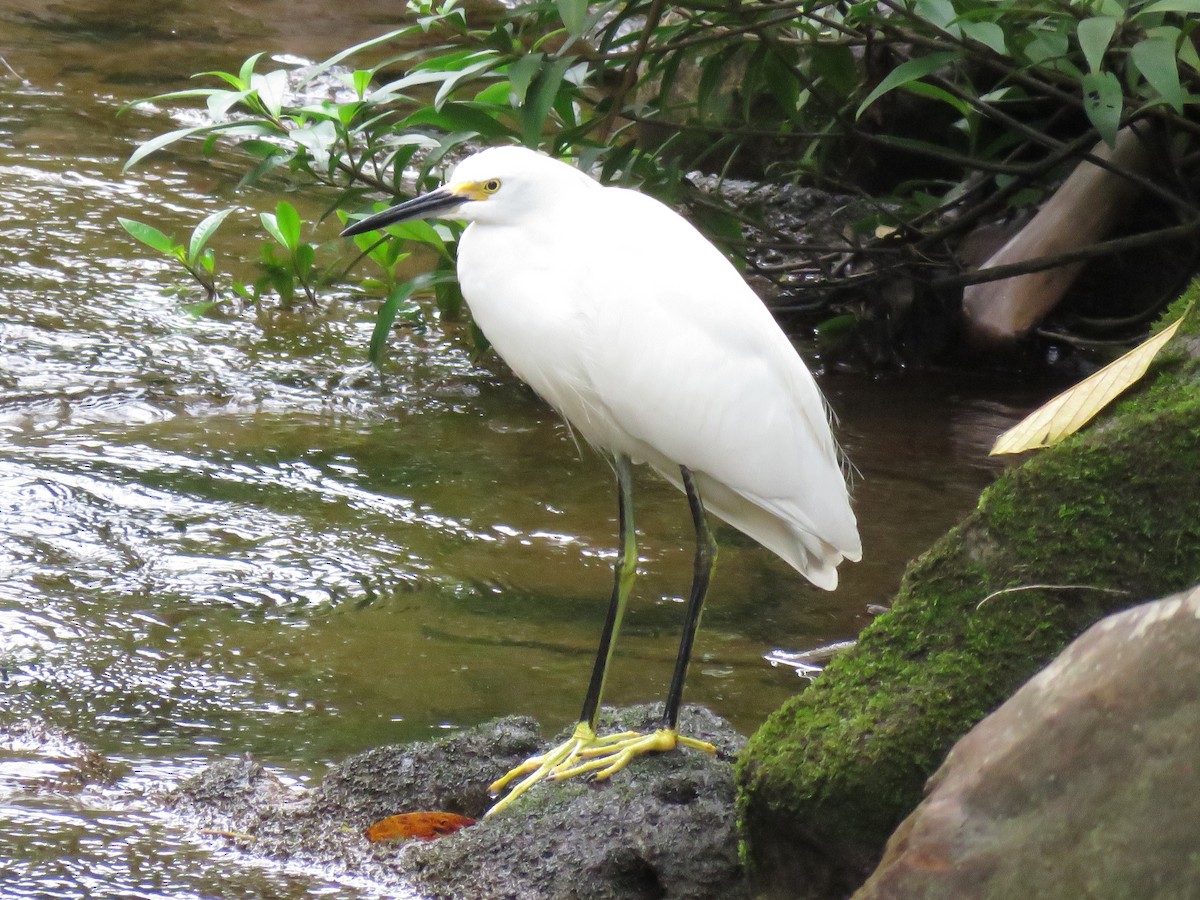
(423, 207)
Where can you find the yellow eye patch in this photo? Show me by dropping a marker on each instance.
(475, 190)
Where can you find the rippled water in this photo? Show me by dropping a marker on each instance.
(220, 537)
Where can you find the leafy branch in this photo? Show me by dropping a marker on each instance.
(997, 97)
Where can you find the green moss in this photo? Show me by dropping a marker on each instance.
(1100, 510)
(1185, 304)
(1106, 520)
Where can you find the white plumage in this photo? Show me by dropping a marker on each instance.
(636, 329)
(649, 343)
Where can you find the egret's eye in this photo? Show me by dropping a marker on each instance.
(491, 185)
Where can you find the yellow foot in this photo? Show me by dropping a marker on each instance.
(584, 752)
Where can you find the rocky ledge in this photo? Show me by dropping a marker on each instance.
(664, 827)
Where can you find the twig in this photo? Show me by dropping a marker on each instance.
(233, 835)
(712, 34)
(24, 81)
(1050, 587)
(1104, 248)
(629, 75)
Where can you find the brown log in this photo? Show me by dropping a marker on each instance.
(1081, 212)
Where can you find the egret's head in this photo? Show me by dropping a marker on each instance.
(494, 185)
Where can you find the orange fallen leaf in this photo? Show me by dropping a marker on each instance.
(425, 826)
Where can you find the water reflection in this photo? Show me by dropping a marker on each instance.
(229, 536)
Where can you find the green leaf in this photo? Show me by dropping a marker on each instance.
(939, 13)
(303, 258)
(449, 297)
(244, 292)
(521, 74)
(1047, 47)
(319, 140)
(1188, 55)
(479, 339)
(836, 66)
(220, 102)
(936, 93)
(173, 95)
(989, 34)
(247, 73)
(384, 254)
(203, 232)
(1155, 59)
(230, 79)
(269, 222)
(200, 309)
(164, 140)
(458, 117)
(391, 308)
(487, 62)
(573, 14)
(537, 106)
(261, 149)
(271, 89)
(911, 70)
(287, 220)
(1162, 6)
(713, 88)
(781, 85)
(361, 80)
(357, 48)
(149, 235)
(1094, 35)
(1103, 103)
(495, 94)
(420, 231)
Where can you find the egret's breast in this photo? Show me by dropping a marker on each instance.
(528, 303)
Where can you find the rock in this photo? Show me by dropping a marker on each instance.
(46, 758)
(1106, 520)
(1086, 783)
(664, 827)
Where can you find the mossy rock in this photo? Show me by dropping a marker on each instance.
(1104, 521)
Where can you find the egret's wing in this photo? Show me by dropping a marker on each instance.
(688, 361)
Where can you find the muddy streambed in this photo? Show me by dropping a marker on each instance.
(220, 537)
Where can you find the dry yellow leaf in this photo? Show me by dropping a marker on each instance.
(1075, 407)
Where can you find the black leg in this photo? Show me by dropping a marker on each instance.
(706, 558)
(584, 752)
(624, 572)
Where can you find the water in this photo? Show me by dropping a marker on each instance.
(220, 537)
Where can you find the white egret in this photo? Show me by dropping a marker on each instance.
(636, 329)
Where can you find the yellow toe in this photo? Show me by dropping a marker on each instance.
(585, 753)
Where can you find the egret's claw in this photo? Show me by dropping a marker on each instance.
(585, 753)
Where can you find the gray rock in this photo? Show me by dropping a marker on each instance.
(1086, 783)
(664, 827)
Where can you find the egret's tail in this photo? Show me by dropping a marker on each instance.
(797, 541)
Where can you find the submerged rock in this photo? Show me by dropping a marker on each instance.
(1086, 783)
(664, 827)
(47, 759)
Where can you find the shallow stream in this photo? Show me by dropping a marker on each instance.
(228, 537)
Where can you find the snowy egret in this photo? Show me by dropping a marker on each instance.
(636, 329)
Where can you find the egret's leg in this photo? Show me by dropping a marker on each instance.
(610, 754)
(566, 756)
(706, 559)
(624, 574)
